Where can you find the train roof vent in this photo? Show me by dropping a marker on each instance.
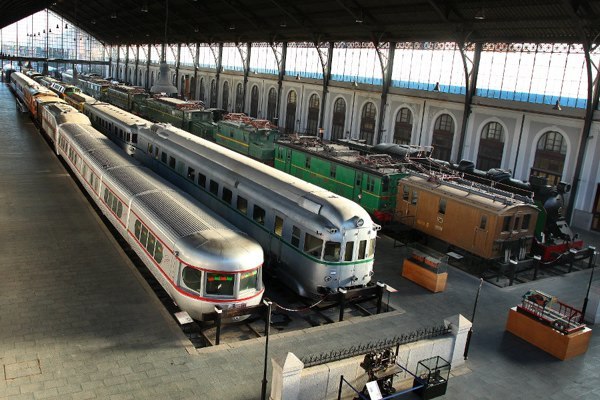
(310, 205)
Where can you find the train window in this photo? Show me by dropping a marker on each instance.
(332, 251)
(163, 157)
(242, 204)
(371, 247)
(150, 149)
(526, 221)
(219, 284)
(201, 180)
(415, 197)
(192, 278)
(227, 195)
(313, 245)
(295, 236)
(249, 280)
(144, 236)
(106, 195)
(158, 252)
(278, 228)
(405, 193)
(214, 187)
(517, 223)
(506, 224)
(119, 209)
(332, 171)
(134, 138)
(370, 184)
(172, 162)
(385, 183)
(442, 207)
(191, 174)
(151, 243)
(259, 215)
(349, 251)
(362, 250)
(156, 150)
(138, 228)
(307, 162)
(483, 222)
(129, 137)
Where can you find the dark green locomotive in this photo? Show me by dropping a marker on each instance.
(251, 137)
(369, 180)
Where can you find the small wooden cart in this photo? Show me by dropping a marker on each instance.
(426, 270)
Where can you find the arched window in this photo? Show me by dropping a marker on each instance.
(139, 80)
(202, 94)
(239, 99)
(550, 157)
(338, 119)
(272, 105)
(367, 123)
(225, 99)
(213, 94)
(254, 102)
(403, 127)
(491, 147)
(290, 113)
(152, 79)
(182, 86)
(443, 134)
(312, 122)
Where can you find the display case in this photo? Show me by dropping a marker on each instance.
(427, 270)
(432, 377)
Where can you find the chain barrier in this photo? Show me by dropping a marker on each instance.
(299, 309)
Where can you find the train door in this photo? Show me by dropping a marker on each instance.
(287, 157)
(358, 179)
(275, 245)
(481, 232)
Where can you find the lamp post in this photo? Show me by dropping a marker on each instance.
(592, 265)
(466, 353)
(268, 304)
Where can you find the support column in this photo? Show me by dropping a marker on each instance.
(196, 65)
(148, 57)
(470, 86)
(118, 62)
(281, 60)
(177, 65)
(387, 67)
(326, 62)
(245, 54)
(137, 63)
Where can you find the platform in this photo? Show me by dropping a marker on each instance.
(77, 322)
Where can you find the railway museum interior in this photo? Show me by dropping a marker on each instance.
(299, 200)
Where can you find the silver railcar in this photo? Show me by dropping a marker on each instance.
(200, 261)
(318, 241)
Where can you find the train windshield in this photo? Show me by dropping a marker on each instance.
(249, 280)
(192, 278)
(332, 251)
(220, 284)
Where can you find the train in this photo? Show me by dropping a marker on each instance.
(486, 222)
(238, 132)
(315, 241)
(200, 260)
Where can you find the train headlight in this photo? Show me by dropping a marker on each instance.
(328, 278)
(359, 222)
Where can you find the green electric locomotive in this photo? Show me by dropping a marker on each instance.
(254, 138)
(369, 180)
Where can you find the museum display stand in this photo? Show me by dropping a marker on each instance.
(426, 270)
(431, 378)
(550, 325)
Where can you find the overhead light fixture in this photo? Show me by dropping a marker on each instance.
(144, 8)
(297, 77)
(66, 26)
(196, 29)
(232, 27)
(283, 24)
(57, 27)
(93, 22)
(436, 88)
(480, 14)
(557, 106)
(113, 15)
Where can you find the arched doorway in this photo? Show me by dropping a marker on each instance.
(403, 127)
(225, 97)
(491, 147)
(338, 119)
(254, 102)
(290, 113)
(443, 135)
(312, 120)
(367, 123)
(239, 98)
(550, 157)
(272, 105)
